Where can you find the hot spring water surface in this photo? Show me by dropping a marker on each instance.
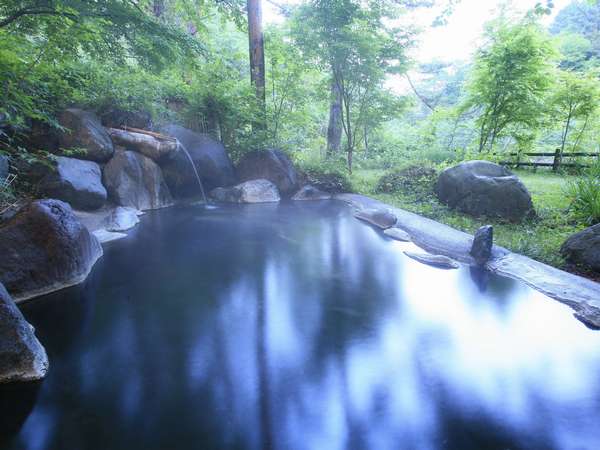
(295, 326)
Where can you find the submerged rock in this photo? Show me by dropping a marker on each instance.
(76, 182)
(309, 192)
(381, 218)
(583, 248)
(272, 165)
(483, 241)
(22, 357)
(134, 180)
(253, 191)
(121, 218)
(85, 133)
(397, 234)
(209, 157)
(443, 262)
(44, 248)
(482, 188)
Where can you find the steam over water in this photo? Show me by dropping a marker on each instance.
(295, 326)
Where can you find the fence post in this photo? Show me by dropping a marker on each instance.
(557, 160)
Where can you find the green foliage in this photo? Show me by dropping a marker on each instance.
(584, 194)
(417, 181)
(327, 176)
(511, 76)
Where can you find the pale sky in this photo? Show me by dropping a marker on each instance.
(455, 41)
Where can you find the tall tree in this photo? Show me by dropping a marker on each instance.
(354, 41)
(334, 128)
(511, 76)
(257, 56)
(575, 97)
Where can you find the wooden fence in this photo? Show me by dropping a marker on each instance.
(557, 161)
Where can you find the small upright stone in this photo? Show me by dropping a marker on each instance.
(483, 241)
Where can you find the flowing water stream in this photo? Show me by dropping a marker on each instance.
(295, 326)
(189, 157)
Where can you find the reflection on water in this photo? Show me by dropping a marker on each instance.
(296, 327)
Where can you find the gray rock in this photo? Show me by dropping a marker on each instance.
(22, 357)
(397, 234)
(154, 148)
(253, 191)
(272, 165)
(483, 242)
(121, 219)
(85, 132)
(136, 181)
(440, 261)
(3, 167)
(209, 157)
(76, 182)
(44, 248)
(104, 236)
(309, 192)
(482, 188)
(381, 218)
(583, 248)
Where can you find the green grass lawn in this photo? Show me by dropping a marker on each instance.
(539, 238)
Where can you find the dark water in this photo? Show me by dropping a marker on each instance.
(294, 326)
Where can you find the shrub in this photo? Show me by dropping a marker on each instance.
(417, 180)
(328, 177)
(585, 195)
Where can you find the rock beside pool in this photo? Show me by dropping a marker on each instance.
(85, 133)
(440, 261)
(309, 192)
(44, 248)
(397, 234)
(121, 218)
(22, 357)
(136, 181)
(253, 191)
(583, 248)
(272, 165)
(482, 188)
(381, 218)
(209, 158)
(76, 182)
(483, 241)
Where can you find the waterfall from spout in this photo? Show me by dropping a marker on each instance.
(189, 157)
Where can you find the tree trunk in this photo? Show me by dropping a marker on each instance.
(334, 130)
(257, 57)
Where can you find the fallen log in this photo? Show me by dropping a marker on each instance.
(152, 145)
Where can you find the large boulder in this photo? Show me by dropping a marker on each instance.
(583, 248)
(136, 181)
(115, 117)
(44, 248)
(3, 167)
(208, 156)
(22, 357)
(482, 188)
(272, 165)
(76, 182)
(85, 133)
(253, 191)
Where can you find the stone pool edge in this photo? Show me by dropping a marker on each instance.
(581, 294)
